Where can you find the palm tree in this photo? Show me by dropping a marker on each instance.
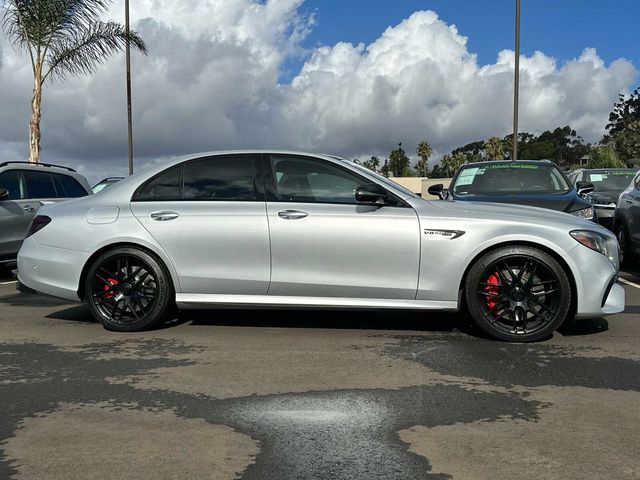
(424, 151)
(494, 149)
(62, 37)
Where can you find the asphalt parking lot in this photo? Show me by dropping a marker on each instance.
(313, 395)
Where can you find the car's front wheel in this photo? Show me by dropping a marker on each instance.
(128, 289)
(518, 293)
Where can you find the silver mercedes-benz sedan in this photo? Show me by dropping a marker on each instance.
(286, 229)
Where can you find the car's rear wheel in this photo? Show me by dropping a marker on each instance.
(518, 293)
(622, 234)
(128, 289)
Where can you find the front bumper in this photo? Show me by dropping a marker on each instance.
(605, 216)
(595, 275)
(50, 270)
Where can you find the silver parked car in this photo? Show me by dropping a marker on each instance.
(24, 187)
(252, 228)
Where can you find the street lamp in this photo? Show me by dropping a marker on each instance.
(128, 62)
(516, 84)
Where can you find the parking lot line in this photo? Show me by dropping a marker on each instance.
(627, 282)
(8, 283)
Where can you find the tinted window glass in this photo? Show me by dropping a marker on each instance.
(39, 184)
(510, 178)
(230, 178)
(310, 180)
(10, 180)
(68, 187)
(165, 186)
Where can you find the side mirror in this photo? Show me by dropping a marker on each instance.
(584, 188)
(4, 193)
(438, 190)
(372, 194)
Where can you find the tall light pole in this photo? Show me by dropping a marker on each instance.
(128, 62)
(516, 84)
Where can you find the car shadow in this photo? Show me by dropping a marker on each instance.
(329, 319)
(589, 326)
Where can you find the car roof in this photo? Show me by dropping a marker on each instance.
(21, 164)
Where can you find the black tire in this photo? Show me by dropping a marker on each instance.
(518, 294)
(128, 290)
(621, 232)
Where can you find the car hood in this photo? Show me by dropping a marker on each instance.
(605, 196)
(564, 202)
(511, 213)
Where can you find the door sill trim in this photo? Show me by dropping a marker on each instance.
(202, 300)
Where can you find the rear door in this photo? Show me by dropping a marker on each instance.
(325, 244)
(209, 216)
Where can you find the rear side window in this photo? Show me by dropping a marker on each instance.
(228, 178)
(163, 187)
(68, 187)
(10, 180)
(39, 184)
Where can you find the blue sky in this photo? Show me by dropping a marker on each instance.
(559, 28)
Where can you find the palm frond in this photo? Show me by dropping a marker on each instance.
(80, 51)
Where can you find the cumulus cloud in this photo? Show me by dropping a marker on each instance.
(211, 81)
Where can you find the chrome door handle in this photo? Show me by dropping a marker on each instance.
(164, 216)
(29, 208)
(292, 214)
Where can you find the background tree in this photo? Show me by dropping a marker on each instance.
(625, 112)
(471, 151)
(62, 37)
(385, 170)
(493, 149)
(424, 151)
(627, 143)
(451, 163)
(372, 163)
(604, 157)
(399, 162)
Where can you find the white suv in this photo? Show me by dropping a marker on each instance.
(24, 187)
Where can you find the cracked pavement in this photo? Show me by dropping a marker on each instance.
(261, 394)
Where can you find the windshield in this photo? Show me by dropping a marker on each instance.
(611, 179)
(510, 179)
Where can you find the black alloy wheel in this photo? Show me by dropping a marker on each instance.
(128, 289)
(518, 294)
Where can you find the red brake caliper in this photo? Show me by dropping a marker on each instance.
(112, 282)
(492, 290)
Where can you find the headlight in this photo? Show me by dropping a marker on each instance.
(604, 244)
(586, 213)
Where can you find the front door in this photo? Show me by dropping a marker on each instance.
(209, 216)
(325, 244)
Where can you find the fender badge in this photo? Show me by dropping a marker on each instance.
(443, 234)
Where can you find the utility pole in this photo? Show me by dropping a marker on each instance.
(128, 62)
(516, 85)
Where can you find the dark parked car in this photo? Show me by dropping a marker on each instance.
(537, 183)
(608, 183)
(626, 220)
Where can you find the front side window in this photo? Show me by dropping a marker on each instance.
(10, 180)
(510, 179)
(228, 178)
(39, 184)
(313, 181)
